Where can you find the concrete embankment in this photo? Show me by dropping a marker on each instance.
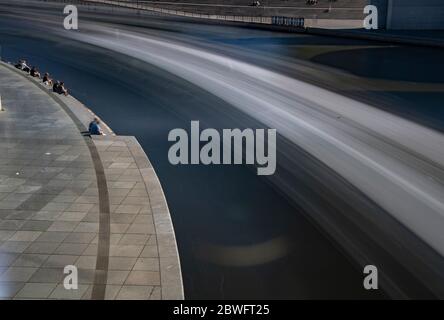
(70, 199)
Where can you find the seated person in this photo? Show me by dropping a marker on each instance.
(56, 87)
(94, 127)
(18, 65)
(62, 89)
(47, 80)
(22, 65)
(35, 72)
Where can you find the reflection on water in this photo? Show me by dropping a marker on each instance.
(420, 68)
(406, 80)
(390, 63)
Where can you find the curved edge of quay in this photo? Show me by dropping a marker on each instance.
(167, 252)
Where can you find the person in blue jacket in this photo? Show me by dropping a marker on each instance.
(94, 127)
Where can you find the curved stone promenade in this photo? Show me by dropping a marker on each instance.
(69, 199)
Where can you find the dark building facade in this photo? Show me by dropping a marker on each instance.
(410, 14)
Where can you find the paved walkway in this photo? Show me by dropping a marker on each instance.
(67, 199)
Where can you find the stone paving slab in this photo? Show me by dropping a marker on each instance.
(67, 199)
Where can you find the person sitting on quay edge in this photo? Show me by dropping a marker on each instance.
(62, 89)
(18, 65)
(22, 65)
(56, 87)
(47, 80)
(94, 127)
(35, 72)
(25, 67)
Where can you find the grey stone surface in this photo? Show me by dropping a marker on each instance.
(55, 184)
